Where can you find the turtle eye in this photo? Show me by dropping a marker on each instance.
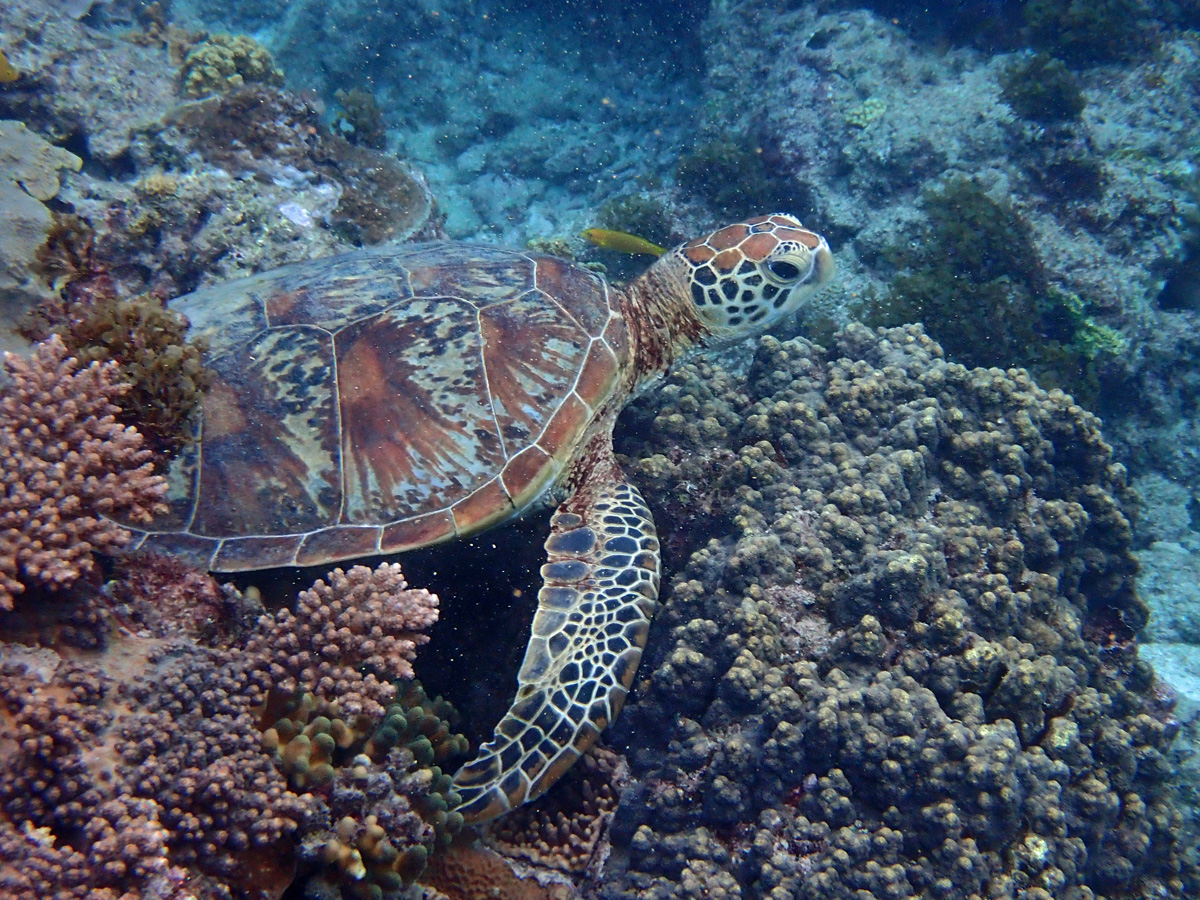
(783, 270)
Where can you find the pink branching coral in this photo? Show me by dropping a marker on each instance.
(140, 769)
(66, 464)
(126, 776)
(351, 638)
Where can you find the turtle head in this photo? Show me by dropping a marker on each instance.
(744, 277)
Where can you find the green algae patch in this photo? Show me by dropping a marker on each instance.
(1042, 89)
(973, 276)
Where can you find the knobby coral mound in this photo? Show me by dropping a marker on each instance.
(225, 62)
(156, 767)
(903, 666)
(68, 464)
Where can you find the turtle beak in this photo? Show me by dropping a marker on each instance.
(823, 267)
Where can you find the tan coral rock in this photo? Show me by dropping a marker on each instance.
(31, 162)
(29, 175)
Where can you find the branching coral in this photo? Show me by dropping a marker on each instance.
(150, 760)
(67, 466)
(385, 803)
(151, 755)
(349, 639)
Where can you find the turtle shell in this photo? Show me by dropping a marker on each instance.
(386, 399)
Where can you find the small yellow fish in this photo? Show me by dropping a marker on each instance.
(625, 243)
(7, 72)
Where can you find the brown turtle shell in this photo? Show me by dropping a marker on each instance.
(386, 399)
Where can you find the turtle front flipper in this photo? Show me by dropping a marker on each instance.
(600, 589)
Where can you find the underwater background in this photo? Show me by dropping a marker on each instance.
(930, 612)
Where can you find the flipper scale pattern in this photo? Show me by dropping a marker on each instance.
(600, 590)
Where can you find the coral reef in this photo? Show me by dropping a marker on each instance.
(107, 88)
(67, 465)
(1105, 196)
(279, 136)
(899, 632)
(903, 665)
(88, 88)
(163, 597)
(150, 764)
(225, 62)
(350, 639)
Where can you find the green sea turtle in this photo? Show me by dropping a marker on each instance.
(394, 397)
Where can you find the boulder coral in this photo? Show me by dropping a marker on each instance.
(225, 62)
(902, 664)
